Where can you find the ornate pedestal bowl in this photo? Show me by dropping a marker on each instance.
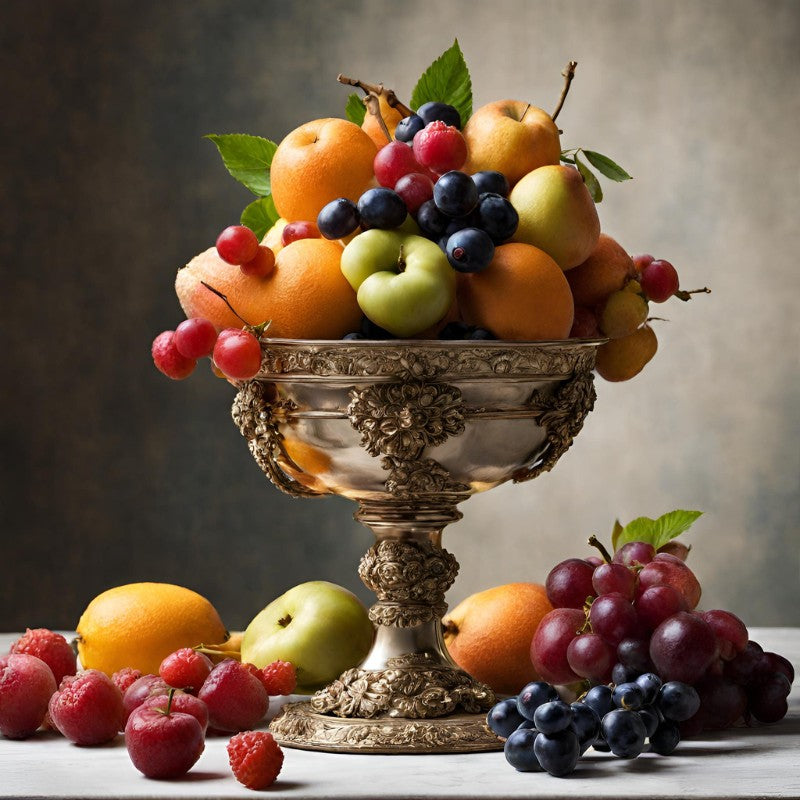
(408, 429)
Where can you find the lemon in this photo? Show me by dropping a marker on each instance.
(138, 624)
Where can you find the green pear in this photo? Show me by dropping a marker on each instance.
(556, 214)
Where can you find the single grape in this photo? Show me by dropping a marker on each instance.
(767, 702)
(504, 718)
(667, 570)
(677, 701)
(299, 229)
(658, 603)
(532, 696)
(634, 553)
(195, 337)
(519, 750)
(621, 673)
(625, 732)
(550, 641)
(731, 632)
(585, 724)
(640, 261)
(722, 701)
(431, 221)
(659, 280)
(598, 698)
(415, 189)
(651, 717)
(408, 127)
(237, 353)
(675, 548)
(261, 264)
(635, 653)
(496, 216)
(665, 738)
(455, 194)
(613, 617)
(433, 111)
(557, 753)
(481, 334)
(628, 695)
(682, 647)
(393, 161)
(780, 664)
(338, 219)
(470, 250)
(552, 717)
(569, 583)
(650, 684)
(749, 666)
(168, 359)
(609, 578)
(237, 244)
(489, 180)
(590, 656)
(381, 208)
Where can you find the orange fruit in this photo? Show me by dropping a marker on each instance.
(318, 162)
(606, 270)
(305, 296)
(371, 126)
(489, 634)
(522, 295)
(138, 624)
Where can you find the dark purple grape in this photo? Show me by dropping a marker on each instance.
(767, 702)
(598, 698)
(722, 701)
(625, 733)
(381, 208)
(557, 753)
(678, 701)
(519, 750)
(585, 723)
(635, 653)
(650, 684)
(552, 717)
(652, 719)
(338, 218)
(455, 194)
(782, 665)
(628, 695)
(431, 221)
(533, 695)
(432, 111)
(470, 250)
(489, 180)
(495, 215)
(503, 717)
(665, 738)
(408, 127)
(623, 674)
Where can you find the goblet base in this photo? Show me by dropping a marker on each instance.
(299, 726)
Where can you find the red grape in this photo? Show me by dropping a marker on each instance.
(667, 570)
(195, 337)
(608, 578)
(767, 701)
(393, 161)
(300, 229)
(659, 280)
(682, 647)
(237, 353)
(722, 702)
(590, 656)
(415, 189)
(677, 549)
(635, 552)
(569, 583)
(550, 642)
(731, 633)
(237, 244)
(657, 603)
(614, 618)
(169, 359)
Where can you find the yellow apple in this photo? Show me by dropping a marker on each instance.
(512, 137)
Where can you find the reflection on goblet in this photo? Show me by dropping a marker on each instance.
(408, 429)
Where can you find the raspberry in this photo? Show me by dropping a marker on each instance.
(185, 669)
(87, 708)
(280, 677)
(123, 678)
(255, 759)
(50, 647)
(236, 699)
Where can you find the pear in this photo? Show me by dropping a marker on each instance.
(556, 214)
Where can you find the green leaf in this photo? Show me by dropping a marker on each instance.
(247, 158)
(260, 215)
(355, 110)
(446, 80)
(657, 531)
(606, 166)
(615, 533)
(568, 158)
(592, 184)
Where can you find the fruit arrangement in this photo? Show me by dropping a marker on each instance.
(626, 638)
(145, 672)
(422, 221)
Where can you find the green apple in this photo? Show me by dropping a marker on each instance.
(320, 627)
(556, 214)
(404, 283)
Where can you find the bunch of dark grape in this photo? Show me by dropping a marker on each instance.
(543, 732)
(636, 612)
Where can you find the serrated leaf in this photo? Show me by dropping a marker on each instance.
(260, 216)
(446, 80)
(589, 178)
(615, 534)
(606, 166)
(355, 110)
(247, 158)
(657, 531)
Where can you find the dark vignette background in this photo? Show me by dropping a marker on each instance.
(111, 473)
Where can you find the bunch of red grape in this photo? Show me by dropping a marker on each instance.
(636, 612)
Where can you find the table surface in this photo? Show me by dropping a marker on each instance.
(738, 763)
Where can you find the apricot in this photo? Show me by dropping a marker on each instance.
(606, 270)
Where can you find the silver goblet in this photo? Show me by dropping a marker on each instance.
(408, 429)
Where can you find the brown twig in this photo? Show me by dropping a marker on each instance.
(378, 89)
(225, 300)
(569, 74)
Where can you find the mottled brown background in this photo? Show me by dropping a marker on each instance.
(111, 473)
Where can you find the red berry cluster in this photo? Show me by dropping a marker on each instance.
(165, 717)
(636, 612)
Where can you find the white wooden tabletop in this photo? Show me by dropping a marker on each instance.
(761, 762)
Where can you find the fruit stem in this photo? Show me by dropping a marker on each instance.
(401, 261)
(569, 74)
(683, 294)
(225, 300)
(166, 711)
(284, 621)
(373, 104)
(595, 542)
(378, 89)
(218, 651)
